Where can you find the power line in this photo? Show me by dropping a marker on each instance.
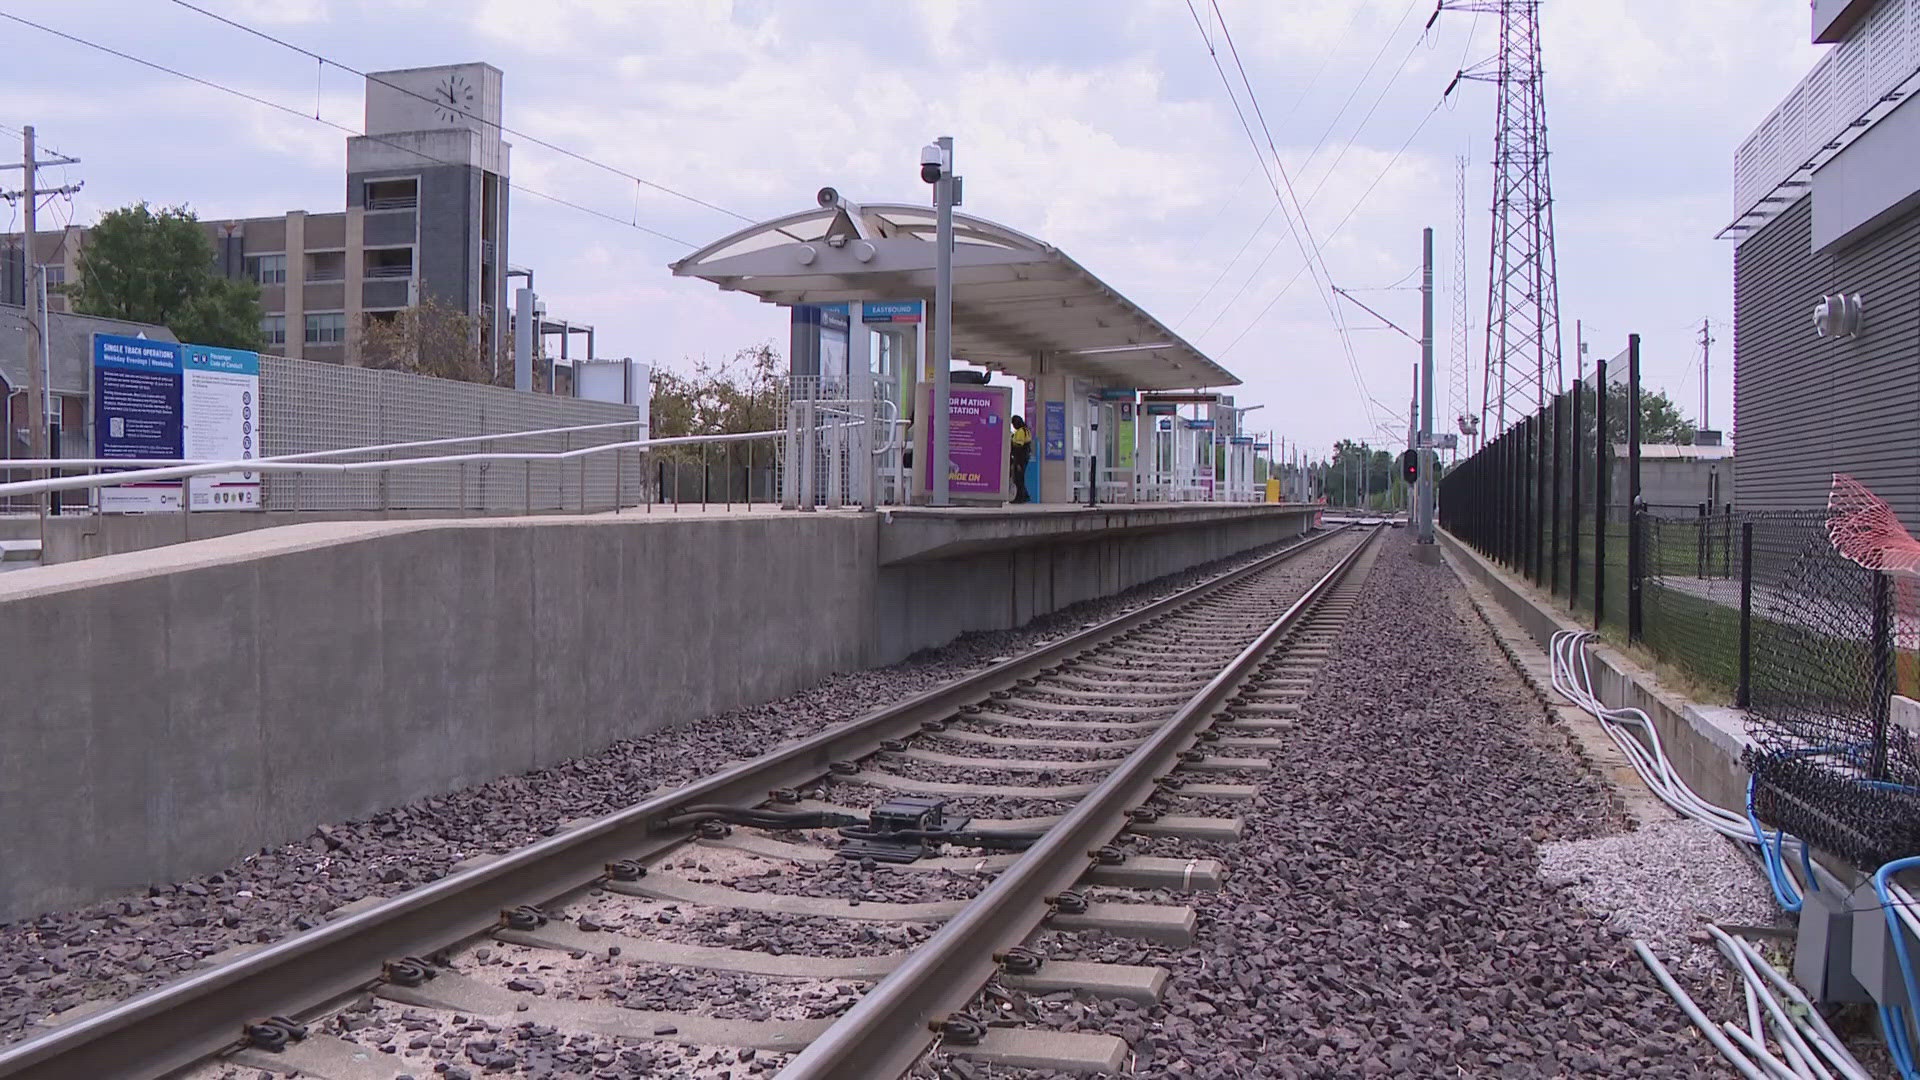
(534, 139)
(1303, 234)
(1337, 228)
(256, 99)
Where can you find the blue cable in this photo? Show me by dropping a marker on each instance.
(1898, 1042)
(1772, 859)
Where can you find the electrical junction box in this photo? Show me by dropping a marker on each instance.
(1823, 952)
(1875, 964)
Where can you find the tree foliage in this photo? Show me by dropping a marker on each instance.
(433, 338)
(157, 267)
(740, 394)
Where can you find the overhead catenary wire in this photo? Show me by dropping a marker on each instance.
(327, 61)
(1327, 239)
(348, 129)
(1295, 217)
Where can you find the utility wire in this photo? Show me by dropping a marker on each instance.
(1303, 234)
(534, 139)
(1326, 56)
(1313, 195)
(1336, 229)
(256, 99)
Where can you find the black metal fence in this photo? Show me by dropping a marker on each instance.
(1756, 607)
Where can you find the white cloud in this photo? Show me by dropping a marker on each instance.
(1098, 125)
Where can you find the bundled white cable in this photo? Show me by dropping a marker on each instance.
(1808, 1048)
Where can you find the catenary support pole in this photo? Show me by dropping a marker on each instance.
(1427, 459)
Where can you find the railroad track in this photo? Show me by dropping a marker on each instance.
(1034, 767)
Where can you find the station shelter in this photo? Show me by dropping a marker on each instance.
(859, 282)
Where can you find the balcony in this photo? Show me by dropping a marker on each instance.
(393, 202)
(405, 271)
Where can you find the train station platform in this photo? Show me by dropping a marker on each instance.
(172, 706)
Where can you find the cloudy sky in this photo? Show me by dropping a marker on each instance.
(1098, 125)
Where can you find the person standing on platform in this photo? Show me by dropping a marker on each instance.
(1022, 452)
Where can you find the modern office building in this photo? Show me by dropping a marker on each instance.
(1827, 271)
(425, 215)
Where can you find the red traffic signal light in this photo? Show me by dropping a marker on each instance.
(1410, 466)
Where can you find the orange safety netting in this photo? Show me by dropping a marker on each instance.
(1866, 530)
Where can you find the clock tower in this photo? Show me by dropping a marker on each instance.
(427, 190)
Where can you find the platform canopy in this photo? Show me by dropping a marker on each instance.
(1015, 298)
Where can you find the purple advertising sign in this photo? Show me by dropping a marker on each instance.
(976, 441)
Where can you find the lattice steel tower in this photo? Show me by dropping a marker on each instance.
(1460, 397)
(1523, 297)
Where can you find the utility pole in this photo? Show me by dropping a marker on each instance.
(1427, 459)
(1706, 368)
(39, 380)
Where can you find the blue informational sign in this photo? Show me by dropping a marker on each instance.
(1117, 393)
(136, 414)
(1243, 440)
(1054, 431)
(892, 311)
(833, 317)
(220, 418)
(1200, 425)
(156, 399)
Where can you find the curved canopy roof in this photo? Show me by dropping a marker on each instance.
(1015, 297)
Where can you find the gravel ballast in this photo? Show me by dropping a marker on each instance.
(1385, 914)
(119, 947)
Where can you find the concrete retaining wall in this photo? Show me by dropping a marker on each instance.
(172, 709)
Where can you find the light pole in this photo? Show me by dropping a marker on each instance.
(936, 168)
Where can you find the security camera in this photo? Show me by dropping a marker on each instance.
(827, 197)
(932, 163)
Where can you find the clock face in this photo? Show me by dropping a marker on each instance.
(453, 100)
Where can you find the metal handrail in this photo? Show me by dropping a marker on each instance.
(286, 465)
(311, 455)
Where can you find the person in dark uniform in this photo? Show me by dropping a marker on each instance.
(1022, 452)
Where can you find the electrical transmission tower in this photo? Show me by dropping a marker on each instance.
(1460, 397)
(1523, 297)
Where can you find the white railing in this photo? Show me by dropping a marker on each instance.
(141, 471)
(1831, 105)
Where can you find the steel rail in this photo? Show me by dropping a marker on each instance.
(181, 1023)
(895, 1023)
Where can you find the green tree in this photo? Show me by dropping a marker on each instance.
(153, 267)
(1660, 419)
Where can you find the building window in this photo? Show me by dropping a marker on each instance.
(267, 269)
(392, 194)
(390, 263)
(56, 276)
(327, 266)
(327, 329)
(274, 329)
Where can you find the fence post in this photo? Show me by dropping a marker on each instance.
(1559, 423)
(1636, 547)
(1573, 503)
(1602, 478)
(1882, 671)
(1700, 543)
(1542, 513)
(1743, 694)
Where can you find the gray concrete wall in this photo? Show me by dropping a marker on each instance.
(172, 709)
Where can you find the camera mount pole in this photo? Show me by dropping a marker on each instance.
(939, 457)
